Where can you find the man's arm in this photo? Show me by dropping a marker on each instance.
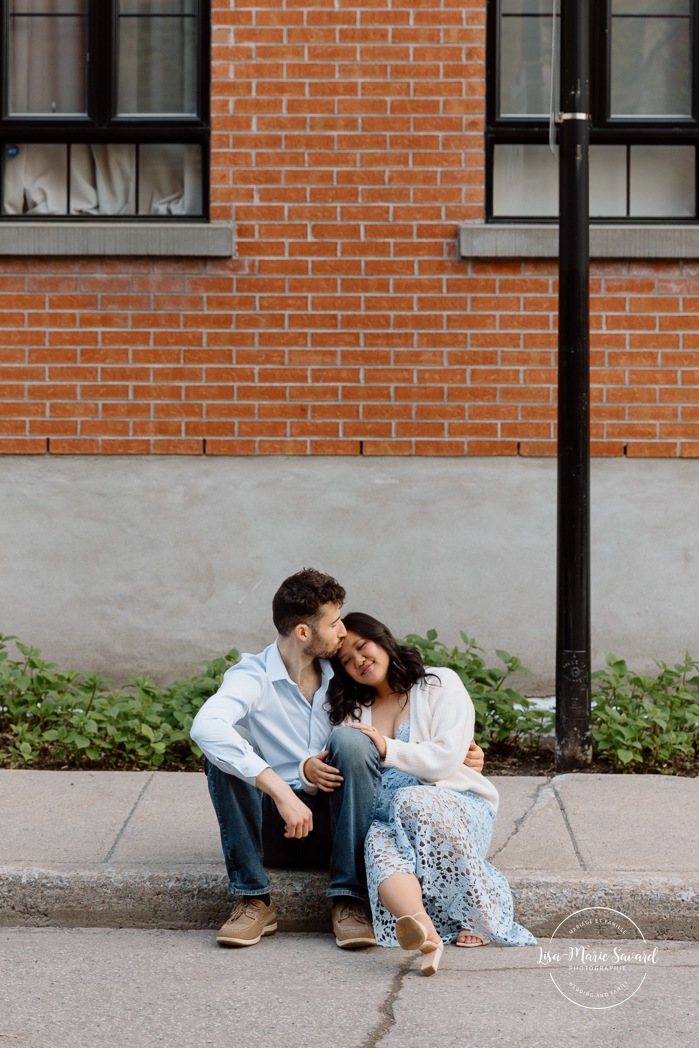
(214, 728)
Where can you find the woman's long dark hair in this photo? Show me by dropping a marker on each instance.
(345, 695)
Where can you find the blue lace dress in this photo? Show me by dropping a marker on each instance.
(442, 836)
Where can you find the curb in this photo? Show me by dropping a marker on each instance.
(664, 907)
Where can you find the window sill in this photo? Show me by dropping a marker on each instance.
(213, 239)
(606, 241)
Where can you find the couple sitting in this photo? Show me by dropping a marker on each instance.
(336, 745)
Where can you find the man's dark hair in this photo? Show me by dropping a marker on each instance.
(300, 597)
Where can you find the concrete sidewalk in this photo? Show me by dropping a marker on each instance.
(141, 850)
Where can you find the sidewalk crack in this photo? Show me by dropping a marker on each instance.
(128, 818)
(519, 823)
(387, 1019)
(566, 820)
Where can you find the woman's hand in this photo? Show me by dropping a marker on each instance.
(320, 774)
(475, 758)
(371, 733)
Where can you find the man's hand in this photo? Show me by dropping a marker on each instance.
(322, 775)
(298, 818)
(475, 758)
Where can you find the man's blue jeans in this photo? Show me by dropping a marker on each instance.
(252, 831)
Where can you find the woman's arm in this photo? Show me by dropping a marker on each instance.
(316, 774)
(442, 723)
(475, 758)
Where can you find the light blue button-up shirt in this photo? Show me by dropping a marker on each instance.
(259, 692)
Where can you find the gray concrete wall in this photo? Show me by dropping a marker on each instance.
(151, 565)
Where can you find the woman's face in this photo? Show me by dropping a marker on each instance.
(364, 660)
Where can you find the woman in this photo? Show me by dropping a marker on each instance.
(425, 851)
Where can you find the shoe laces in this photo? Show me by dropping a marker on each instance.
(244, 908)
(348, 911)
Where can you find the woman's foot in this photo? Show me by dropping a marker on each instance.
(468, 940)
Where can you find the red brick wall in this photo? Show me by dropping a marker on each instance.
(347, 146)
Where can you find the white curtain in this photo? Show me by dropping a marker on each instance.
(103, 180)
(35, 180)
(157, 58)
(47, 76)
(47, 57)
(169, 180)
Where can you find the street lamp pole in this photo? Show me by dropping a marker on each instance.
(573, 746)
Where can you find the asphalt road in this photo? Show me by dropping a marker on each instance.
(131, 988)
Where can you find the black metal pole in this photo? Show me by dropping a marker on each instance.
(573, 747)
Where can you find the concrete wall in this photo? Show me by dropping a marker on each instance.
(128, 565)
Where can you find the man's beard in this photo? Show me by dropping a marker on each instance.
(318, 649)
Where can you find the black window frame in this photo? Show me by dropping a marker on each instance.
(101, 124)
(604, 129)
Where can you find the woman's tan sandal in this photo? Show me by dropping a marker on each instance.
(430, 961)
(412, 935)
(471, 945)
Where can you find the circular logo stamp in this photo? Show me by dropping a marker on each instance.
(597, 957)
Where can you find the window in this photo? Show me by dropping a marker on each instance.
(644, 129)
(105, 109)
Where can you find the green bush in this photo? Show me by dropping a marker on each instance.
(502, 713)
(640, 721)
(53, 718)
(61, 718)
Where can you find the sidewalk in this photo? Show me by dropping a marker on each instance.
(141, 850)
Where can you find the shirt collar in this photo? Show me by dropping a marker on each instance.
(276, 669)
(326, 669)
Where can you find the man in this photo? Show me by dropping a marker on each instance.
(255, 768)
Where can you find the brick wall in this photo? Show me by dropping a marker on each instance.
(347, 146)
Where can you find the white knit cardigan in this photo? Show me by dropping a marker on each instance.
(442, 719)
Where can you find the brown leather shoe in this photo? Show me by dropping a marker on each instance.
(352, 924)
(248, 922)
